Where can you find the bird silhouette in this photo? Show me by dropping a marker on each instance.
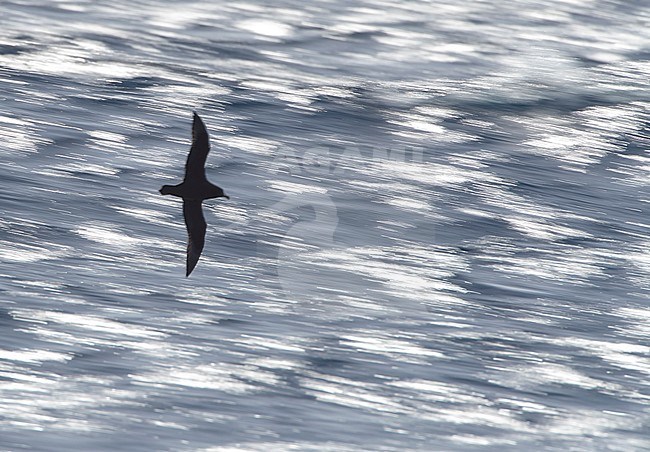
(194, 189)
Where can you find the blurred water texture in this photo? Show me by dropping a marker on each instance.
(437, 237)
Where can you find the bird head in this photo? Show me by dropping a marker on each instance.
(217, 192)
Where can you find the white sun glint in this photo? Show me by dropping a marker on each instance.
(266, 27)
(105, 234)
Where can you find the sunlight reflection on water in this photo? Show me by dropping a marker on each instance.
(436, 237)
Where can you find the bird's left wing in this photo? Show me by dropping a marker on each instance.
(195, 165)
(196, 226)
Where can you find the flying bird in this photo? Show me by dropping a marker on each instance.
(194, 189)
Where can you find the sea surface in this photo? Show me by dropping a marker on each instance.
(437, 238)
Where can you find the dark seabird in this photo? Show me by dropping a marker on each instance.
(194, 189)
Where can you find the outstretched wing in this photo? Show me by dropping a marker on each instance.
(195, 166)
(196, 226)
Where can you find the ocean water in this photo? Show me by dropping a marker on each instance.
(437, 239)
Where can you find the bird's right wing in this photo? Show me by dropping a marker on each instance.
(196, 226)
(195, 165)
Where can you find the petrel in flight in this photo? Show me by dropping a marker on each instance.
(194, 189)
